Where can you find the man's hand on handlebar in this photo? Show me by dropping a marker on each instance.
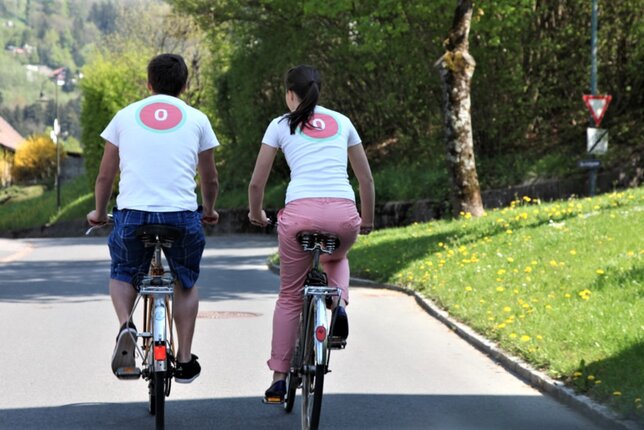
(210, 217)
(94, 218)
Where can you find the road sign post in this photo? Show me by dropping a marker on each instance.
(596, 138)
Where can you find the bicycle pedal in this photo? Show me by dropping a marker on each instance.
(336, 342)
(128, 373)
(273, 401)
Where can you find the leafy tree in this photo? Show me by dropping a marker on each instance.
(35, 159)
(104, 15)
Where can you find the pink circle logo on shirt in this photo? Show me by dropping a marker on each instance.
(321, 126)
(160, 116)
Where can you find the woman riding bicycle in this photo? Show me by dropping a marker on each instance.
(316, 143)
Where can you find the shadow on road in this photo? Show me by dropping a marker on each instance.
(54, 280)
(340, 411)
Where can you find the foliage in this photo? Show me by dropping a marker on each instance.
(558, 284)
(377, 60)
(35, 159)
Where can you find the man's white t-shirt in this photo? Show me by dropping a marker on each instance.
(159, 140)
(317, 156)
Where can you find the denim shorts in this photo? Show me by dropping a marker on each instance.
(131, 260)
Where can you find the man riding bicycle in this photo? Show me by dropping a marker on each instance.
(158, 144)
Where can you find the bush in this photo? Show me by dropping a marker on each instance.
(35, 159)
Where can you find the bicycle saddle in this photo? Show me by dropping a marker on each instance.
(327, 242)
(165, 233)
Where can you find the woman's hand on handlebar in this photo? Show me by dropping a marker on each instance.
(366, 228)
(260, 219)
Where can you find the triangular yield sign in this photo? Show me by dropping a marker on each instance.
(597, 105)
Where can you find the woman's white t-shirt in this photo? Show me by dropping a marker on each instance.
(316, 155)
(159, 140)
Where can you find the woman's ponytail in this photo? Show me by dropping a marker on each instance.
(306, 83)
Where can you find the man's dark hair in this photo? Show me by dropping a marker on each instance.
(167, 74)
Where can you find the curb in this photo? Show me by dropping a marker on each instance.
(601, 414)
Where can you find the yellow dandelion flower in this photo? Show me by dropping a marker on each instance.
(500, 289)
(468, 288)
(638, 400)
(510, 259)
(527, 199)
(599, 271)
(513, 335)
(584, 294)
(577, 374)
(501, 325)
(553, 263)
(508, 231)
(525, 338)
(630, 253)
(573, 252)
(617, 393)
(507, 309)
(598, 382)
(501, 272)
(567, 295)
(539, 337)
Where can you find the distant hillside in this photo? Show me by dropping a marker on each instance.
(44, 45)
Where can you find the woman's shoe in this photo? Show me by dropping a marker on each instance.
(341, 325)
(276, 393)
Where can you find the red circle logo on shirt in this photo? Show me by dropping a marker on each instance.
(160, 116)
(321, 126)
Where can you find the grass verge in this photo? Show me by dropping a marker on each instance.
(560, 285)
(30, 207)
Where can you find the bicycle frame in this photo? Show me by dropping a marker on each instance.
(157, 290)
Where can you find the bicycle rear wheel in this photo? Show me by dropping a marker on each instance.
(312, 387)
(312, 380)
(157, 392)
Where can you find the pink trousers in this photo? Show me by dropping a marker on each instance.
(332, 215)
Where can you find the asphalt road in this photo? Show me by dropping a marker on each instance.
(401, 369)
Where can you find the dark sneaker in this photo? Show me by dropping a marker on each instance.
(275, 393)
(341, 326)
(185, 373)
(123, 355)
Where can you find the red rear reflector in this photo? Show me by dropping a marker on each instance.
(320, 333)
(159, 352)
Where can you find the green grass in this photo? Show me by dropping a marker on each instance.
(35, 206)
(560, 285)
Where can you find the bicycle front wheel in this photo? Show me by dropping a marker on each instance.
(291, 386)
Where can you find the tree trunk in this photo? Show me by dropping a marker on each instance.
(456, 68)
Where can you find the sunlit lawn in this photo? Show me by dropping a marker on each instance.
(559, 284)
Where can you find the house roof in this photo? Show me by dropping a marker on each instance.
(9, 137)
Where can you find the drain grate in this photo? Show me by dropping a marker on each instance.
(220, 315)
